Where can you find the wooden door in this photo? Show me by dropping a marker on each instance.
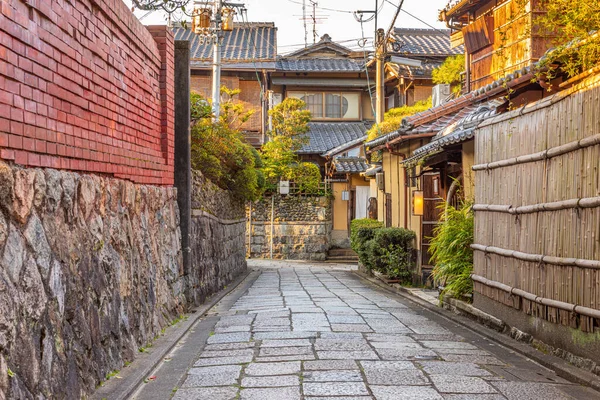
(431, 183)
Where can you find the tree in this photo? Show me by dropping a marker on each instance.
(450, 72)
(281, 162)
(570, 24)
(219, 150)
(392, 119)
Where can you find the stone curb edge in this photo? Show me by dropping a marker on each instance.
(133, 376)
(559, 366)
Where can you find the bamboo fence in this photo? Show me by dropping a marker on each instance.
(537, 211)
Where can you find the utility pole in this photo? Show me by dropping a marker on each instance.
(314, 18)
(216, 70)
(380, 54)
(304, 20)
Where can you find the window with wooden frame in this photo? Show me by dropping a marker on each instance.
(330, 105)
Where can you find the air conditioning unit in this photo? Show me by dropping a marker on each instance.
(380, 180)
(439, 95)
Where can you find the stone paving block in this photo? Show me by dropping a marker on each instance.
(229, 337)
(285, 351)
(405, 393)
(230, 329)
(332, 376)
(341, 335)
(271, 381)
(273, 368)
(444, 337)
(229, 346)
(476, 397)
(475, 359)
(461, 384)
(287, 393)
(477, 352)
(223, 375)
(284, 343)
(341, 344)
(406, 354)
(351, 328)
(396, 345)
(213, 393)
(285, 335)
(339, 398)
(335, 389)
(297, 357)
(380, 337)
(452, 368)
(345, 319)
(320, 365)
(436, 345)
(202, 362)
(532, 391)
(347, 355)
(227, 353)
(393, 373)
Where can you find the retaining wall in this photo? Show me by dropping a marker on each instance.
(90, 271)
(301, 228)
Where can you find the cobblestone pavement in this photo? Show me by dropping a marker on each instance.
(315, 333)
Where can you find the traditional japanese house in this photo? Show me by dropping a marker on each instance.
(248, 55)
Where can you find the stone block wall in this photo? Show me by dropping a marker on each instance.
(218, 231)
(90, 270)
(301, 229)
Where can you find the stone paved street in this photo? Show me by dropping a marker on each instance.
(319, 333)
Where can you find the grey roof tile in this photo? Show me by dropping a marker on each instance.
(432, 42)
(253, 41)
(350, 164)
(319, 65)
(324, 136)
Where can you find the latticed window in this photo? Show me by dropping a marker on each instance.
(331, 105)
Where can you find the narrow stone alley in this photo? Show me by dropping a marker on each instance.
(311, 332)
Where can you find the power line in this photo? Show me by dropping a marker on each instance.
(418, 19)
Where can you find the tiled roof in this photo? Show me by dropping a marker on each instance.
(253, 41)
(374, 170)
(319, 65)
(458, 131)
(350, 164)
(426, 42)
(424, 72)
(346, 146)
(461, 117)
(324, 136)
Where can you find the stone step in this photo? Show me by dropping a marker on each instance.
(341, 252)
(343, 259)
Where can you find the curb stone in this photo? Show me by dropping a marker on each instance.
(558, 365)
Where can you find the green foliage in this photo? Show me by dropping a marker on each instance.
(289, 118)
(392, 119)
(219, 150)
(390, 252)
(450, 72)
(451, 251)
(361, 232)
(281, 162)
(568, 20)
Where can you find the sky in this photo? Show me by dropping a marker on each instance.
(334, 18)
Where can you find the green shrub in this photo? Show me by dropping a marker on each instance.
(451, 250)
(361, 232)
(390, 252)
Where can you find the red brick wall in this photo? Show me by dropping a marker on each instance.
(85, 86)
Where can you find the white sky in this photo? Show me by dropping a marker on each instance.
(341, 26)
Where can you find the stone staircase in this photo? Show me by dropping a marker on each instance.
(342, 256)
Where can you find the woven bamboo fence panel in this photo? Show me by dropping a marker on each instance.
(537, 211)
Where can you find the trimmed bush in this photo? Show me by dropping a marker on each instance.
(390, 252)
(361, 232)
